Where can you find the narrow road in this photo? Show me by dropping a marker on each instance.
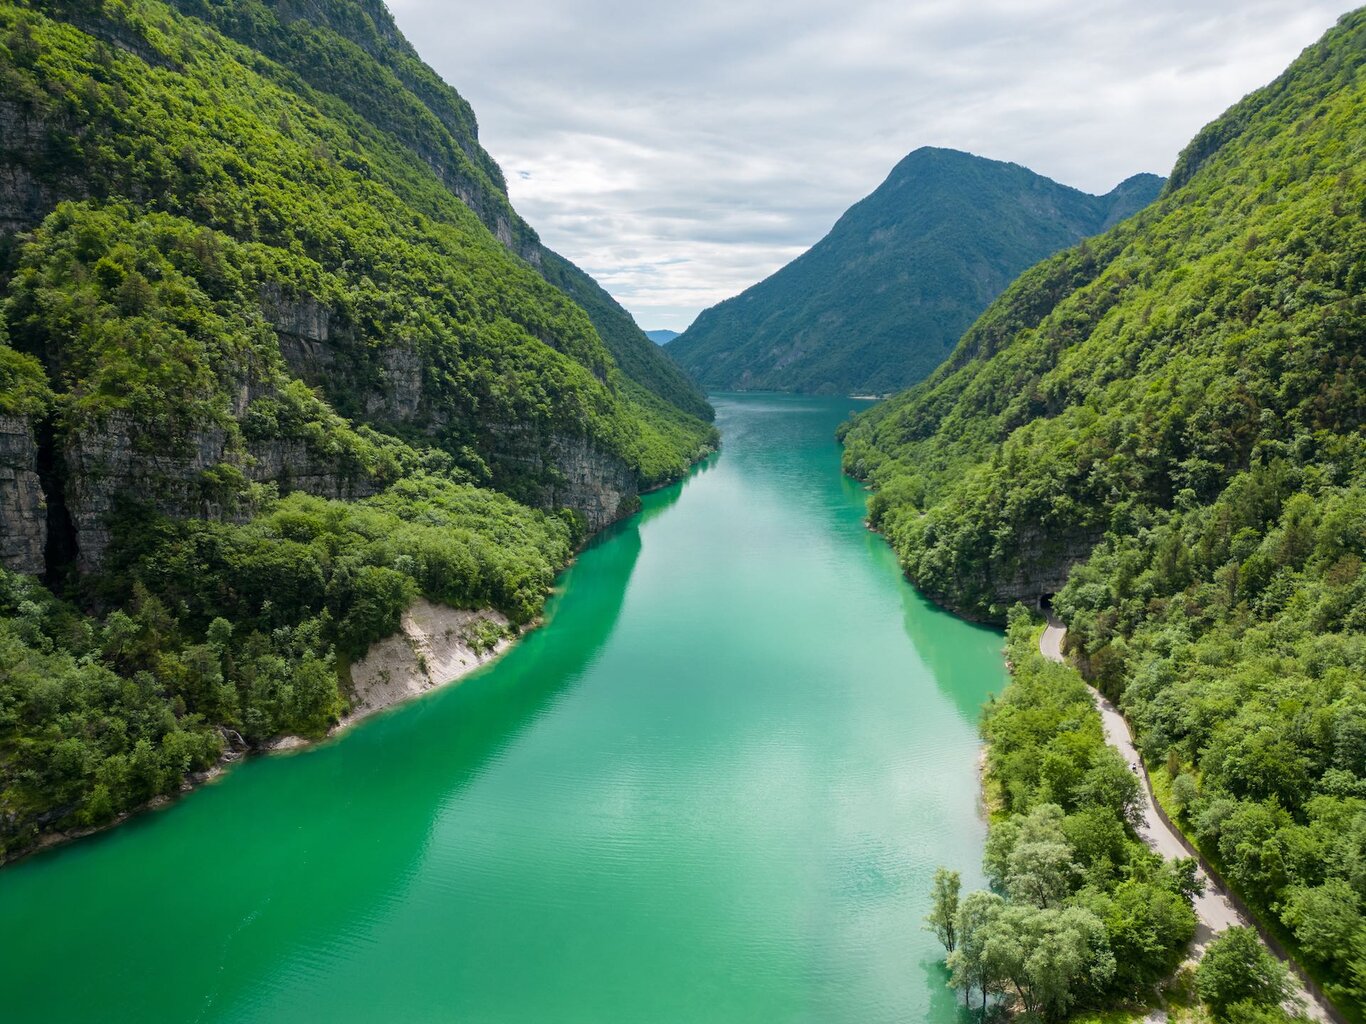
(1213, 910)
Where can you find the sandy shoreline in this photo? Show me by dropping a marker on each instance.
(435, 647)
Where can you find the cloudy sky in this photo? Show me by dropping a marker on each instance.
(680, 152)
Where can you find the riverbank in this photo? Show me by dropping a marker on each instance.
(1215, 907)
(434, 647)
(665, 804)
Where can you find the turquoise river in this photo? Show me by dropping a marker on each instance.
(712, 788)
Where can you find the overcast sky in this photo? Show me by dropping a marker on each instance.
(681, 152)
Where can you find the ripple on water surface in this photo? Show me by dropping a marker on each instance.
(714, 787)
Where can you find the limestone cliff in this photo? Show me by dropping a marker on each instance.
(1030, 573)
(181, 278)
(117, 461)
(564, 470)
(23, 509)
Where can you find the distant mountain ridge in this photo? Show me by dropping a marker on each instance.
(879, 302)
(662, 337)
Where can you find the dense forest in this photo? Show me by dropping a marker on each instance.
(276, 358)
(1080, 913)
(1174, 412)
(879, 302)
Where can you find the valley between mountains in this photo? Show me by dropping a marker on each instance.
(967, 621)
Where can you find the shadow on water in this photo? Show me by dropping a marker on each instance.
(290, 818)
(964, 680)
(959, 678)
(945, 1003)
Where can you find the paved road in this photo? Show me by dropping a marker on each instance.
(1213, 910)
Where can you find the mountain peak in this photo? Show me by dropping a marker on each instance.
(879, 302)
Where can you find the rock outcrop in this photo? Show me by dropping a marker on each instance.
(117, 462)
(1031, 574)
(572, 473)
(23, 509)
(434, 646)
(25, 198)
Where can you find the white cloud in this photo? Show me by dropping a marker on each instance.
(680, 153)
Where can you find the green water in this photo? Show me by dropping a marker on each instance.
(712, 788)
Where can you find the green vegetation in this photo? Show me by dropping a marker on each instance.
(23, 385)
(288, 359)
(1236, 634)
(944, 910)
(878, 303)
(1174, 412)
(221, 632)
(227, 140)
(1238, 978)
(1081, 914)
(352, 51)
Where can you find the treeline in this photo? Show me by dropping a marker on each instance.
(1080, 914)
(266, 259)
(221, 633)
(1142, 371)
(1177, 408)
(300, 190)
(1236, 635)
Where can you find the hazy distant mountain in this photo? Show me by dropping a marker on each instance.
(879, 302)
(662, 337)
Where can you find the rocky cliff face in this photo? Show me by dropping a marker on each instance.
(25, 199)
(598, 486)
(1032, 573)
(23, 509)
(573, 473)
(116, 463)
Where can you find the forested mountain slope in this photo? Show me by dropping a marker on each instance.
(879, 302)
(276, 357)
(1174, 413)
(351, 49)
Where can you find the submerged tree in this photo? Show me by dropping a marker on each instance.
(969, 966)
(943, 916)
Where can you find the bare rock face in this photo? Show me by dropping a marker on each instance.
(601, 487)
(115, 462)
(400, 400)
(299, 318)
(25, 199)
(23, 509)
(1032, 572)
(574, 474)
(1042, 567)
(107, 464)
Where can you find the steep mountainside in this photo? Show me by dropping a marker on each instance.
(352, 50)
(879, 302)
(276, 357)
(1167, 426)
